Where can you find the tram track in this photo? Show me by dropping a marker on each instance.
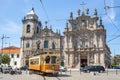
(44, 78)
(47, 78)
(58, 78)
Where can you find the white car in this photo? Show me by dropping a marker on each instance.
(63, 69)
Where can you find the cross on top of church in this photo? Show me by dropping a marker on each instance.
(83, 4)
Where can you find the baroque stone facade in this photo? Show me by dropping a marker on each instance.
(83, 43)
(36, 39)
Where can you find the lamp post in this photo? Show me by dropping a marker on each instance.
(108, 7)
(3, 37)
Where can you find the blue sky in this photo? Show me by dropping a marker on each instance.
(58, 11)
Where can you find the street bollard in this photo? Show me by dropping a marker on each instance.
(80, 71)
(70, 71)
(107, 71)
(116, 71)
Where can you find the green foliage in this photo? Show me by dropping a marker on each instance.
(5, 59)
(115, 63)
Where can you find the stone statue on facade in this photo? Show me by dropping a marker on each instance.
(78, 12)
(87, 11)
(71, 15)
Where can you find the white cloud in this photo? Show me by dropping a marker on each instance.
(10, 27)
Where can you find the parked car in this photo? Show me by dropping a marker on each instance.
(85, 69)
(93, 68)
(6, 69)
(12, 72)
(63, 69)
(15, 71)
(18, 71)
(116, 67)
(24, 68)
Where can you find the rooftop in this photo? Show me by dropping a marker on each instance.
(10, 50)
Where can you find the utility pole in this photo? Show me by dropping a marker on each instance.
(3, 37)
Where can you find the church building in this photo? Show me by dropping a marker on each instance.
(36, 39)
(83, 42)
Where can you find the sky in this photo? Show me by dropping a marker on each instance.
(57, 12)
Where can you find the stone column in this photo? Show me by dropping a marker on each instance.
(88, 57)
(80, 60)
(98, 58)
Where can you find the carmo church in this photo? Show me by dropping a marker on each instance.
(82, 43)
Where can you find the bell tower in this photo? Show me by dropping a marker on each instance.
(31, 25)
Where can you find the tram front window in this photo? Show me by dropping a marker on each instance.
(53, 60)
(47, 59)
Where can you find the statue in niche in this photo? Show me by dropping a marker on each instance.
(95, 12)
(91, 57)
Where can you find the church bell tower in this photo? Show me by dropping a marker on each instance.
(31, 27)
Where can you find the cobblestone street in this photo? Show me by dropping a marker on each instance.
(75, 75)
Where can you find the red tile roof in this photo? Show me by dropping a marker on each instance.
(10, 49)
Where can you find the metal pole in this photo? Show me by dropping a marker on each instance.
(3, 41)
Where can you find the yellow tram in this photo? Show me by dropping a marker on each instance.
(45, 63)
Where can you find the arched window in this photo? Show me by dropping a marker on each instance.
(38, 46)
(28, 29)
(46, 44)
(53, 45)
(37, 29)
(83, 43)
(27, 45)
(75, 44)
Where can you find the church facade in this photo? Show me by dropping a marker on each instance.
(83, 42)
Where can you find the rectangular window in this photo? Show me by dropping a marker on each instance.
(34, 61)
(15, 63)
(53, 59)
(12, 55)
(17, 55)
(27, 45)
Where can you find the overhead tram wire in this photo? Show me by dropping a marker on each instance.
(48, 16)
(44, 10)
(109, 16)
(113, 38)
(112, 23)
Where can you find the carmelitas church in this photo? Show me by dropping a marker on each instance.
(83, 42)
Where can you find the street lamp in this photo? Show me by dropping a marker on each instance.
(108, 7)
(3, 37)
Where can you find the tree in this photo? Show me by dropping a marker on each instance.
(5, 59)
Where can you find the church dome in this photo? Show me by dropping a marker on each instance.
(31, 15)
(31, 12)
